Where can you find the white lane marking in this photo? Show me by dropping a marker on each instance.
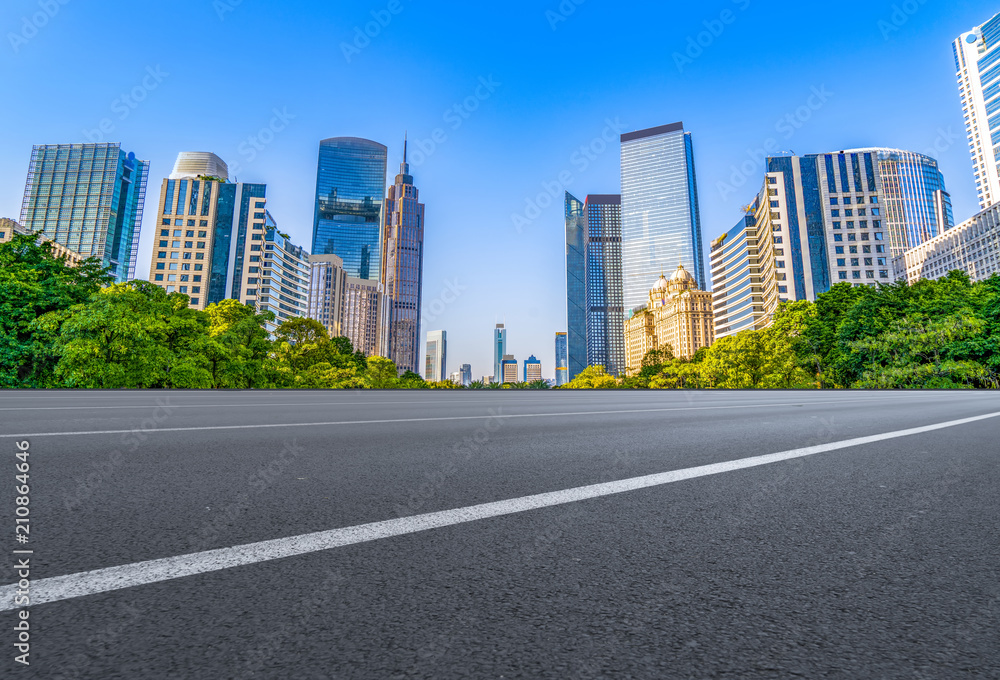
(154, 571)
(206, 428)
(249, 403)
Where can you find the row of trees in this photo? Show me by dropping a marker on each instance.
(939, 334)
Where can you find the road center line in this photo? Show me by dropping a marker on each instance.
(155, 571)
(498, 416)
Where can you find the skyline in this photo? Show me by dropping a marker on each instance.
(521, 126)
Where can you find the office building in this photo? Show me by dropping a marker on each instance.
(972, 247)
(661, 222)
(915, 205)
(402, 269)
(10, 228)
(456, 378)
(361, 314)
(88, 198)
(744, 287)
(508, 369)
(436, 364)
(499, 351)
(350, 189)
(678, 315)
(576, 286)
(562, 359)
(327, 281)
(466, 374)
(977, 64)
(279, 281)
(532, 370)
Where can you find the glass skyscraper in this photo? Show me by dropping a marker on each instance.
(350, 189)
(977, 63)
(499, 351)
(915, 205)
(605, 312)
(562, 360)
(436, 364)
(576, 285)
(402, 269)
(661, 222)
(88, 198)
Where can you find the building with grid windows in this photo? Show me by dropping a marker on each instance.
(88, 198)
(466, 375)
(977, 65)
(576, 287)
(532, 369)
(661, 221)
(361, 314)
(508, 369)
(350, 190)
(562, 359)
(10, 228)
(402, 269)
(436, 361)
(279, 282)
(678, 315)
(326, 292)
(499, 351)
(972, 247)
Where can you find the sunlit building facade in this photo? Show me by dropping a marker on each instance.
(508, 369)
(972, 247)
(562, 359)
(436, 361)
(350, 190)
(532, 369)
(10, 228)
(88, 198)
(977, 64)
(661, 221)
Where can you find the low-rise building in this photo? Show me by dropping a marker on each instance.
(973, 247)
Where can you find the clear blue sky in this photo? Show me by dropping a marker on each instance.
(225, 66)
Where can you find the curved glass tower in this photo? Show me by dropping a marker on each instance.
(916, 206)
(350, 188)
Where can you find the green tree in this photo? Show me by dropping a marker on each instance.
(240, 354)
(382, 374)
(592, 378)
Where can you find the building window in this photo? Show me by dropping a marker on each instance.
(835, 213)
(843, 276)
(166, 223)
(836, 225)
(878, 235)
(161, 254)
(194, 301)
(838, 237)
(850, 237)
(855, 275)
(884, 274)
(161, 265)
(840, 250)
(841, 261)
(158, 277)
(854, 262)
(870, 274)
(834, 200)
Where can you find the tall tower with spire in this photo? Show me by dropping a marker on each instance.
(402, 269)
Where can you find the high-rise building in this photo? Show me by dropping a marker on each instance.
(466, 374)
(744, 287)
(436, 364)
(562, 359)
(661, 221)
(508, 369)
(678, 315)
(89, 199)
(605, 313)
(576, 285)
(279, 282)
(456, 377)
(361, 314)
(916, 207)
(499, 351)
(976, 61)
(402, 269)
(972, 247)
(350, 189)
(532, 369)
(326, 292)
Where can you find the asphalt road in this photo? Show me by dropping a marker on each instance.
(878, 559)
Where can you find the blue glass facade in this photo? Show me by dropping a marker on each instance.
(661, 221)
(605, 311)
(88, 198)
(562, 359)
(499, 351)
(350, 189)
(231, 224)
(576, 285)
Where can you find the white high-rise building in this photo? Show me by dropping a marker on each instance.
(436, 366)
(977, 58)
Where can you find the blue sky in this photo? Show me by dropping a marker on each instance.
(211, 75)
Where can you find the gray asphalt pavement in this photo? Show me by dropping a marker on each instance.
(878, 560)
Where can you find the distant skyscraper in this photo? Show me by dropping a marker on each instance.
(605, 312)
(466, 374)
(326, 292)
(576, 285)
(350, 189)
(508, 369)
(976, 58)
(661, 221)
(436, 365)
(402, 269)
(562, 359)
(499, 351)
(532, 370)
(88, 198)
(348, 307)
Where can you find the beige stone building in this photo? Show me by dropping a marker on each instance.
(678, 315)
(10, 228)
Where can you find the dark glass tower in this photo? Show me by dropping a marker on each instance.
(350, 189)
(402, 269)
(88, 198)
(576, 285)
(605, 312)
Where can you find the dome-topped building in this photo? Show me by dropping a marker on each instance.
(678, 315)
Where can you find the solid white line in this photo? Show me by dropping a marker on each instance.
(258, 426)
(154, 571)
(173, 406)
